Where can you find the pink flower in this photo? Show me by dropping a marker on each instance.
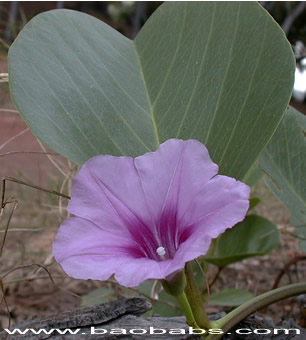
(144, 218)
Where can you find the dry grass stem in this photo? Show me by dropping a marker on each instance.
(3, 76)
(51, 159)
(13, 138)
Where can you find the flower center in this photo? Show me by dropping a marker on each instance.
(161, 251)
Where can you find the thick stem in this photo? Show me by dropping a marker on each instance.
(234, 317)
(195, 300)
(183, 302)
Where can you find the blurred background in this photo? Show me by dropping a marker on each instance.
(28, 289)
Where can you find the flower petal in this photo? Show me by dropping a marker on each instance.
(195, 246)
(174, 174)
(106, 189)
(135, 272)
(221, 204)
(128, 208)
(85, 251)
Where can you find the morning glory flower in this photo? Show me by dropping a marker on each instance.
(145, 217)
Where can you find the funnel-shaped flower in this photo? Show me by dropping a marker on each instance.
(144, 218)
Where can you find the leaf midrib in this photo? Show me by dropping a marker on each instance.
(155, 128)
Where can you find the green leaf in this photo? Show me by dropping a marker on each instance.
(253, 175)
(300, 231)
(284, 161)
(254, 201)
(230, 297)
(146, 288)
(166, 305)
(252, 237)
(79, 86)
(221, 73)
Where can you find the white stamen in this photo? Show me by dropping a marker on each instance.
(161, 251)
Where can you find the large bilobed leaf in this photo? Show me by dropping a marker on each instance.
(253, 175)
(255, 236)
(284, 161)
(219, 72)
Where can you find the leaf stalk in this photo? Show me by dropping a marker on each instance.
(240, 313)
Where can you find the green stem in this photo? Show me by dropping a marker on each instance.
(183, 301)
(195, 299)
(240, 313)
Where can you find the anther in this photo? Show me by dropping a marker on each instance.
(161, 251)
